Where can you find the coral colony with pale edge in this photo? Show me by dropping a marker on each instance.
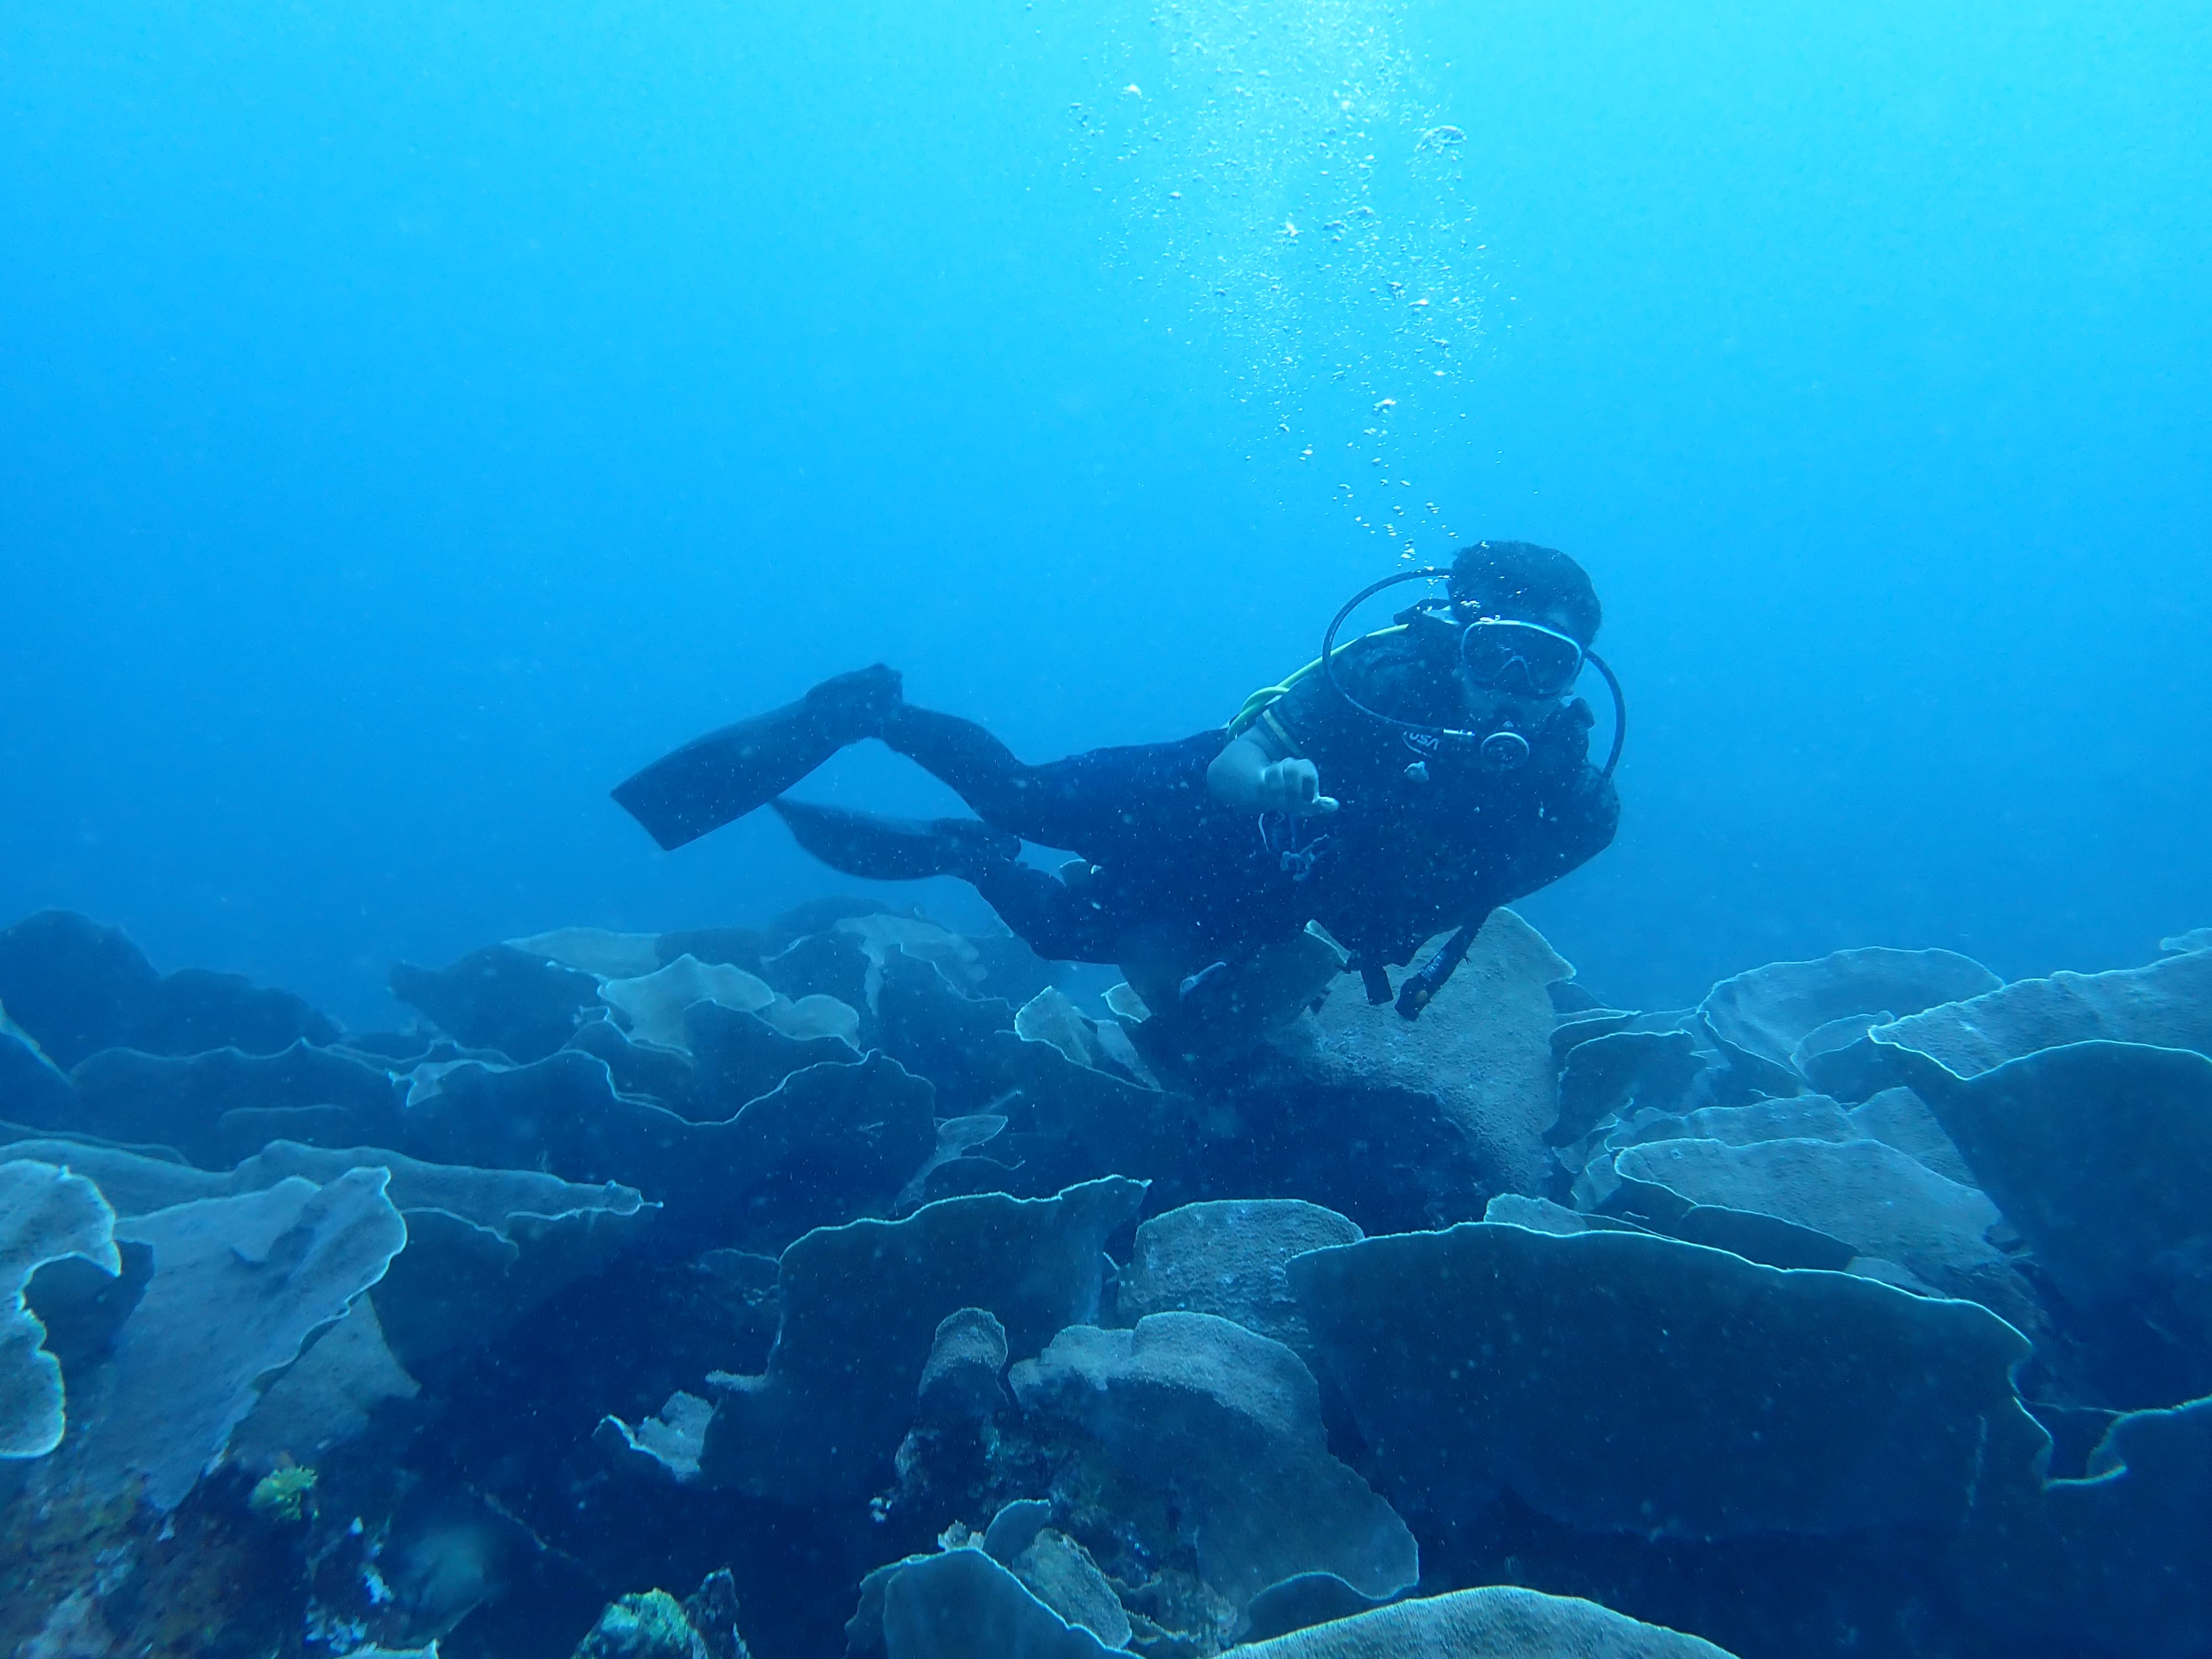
(849, 1285)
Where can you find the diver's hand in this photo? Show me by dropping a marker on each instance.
(1294, 787)
(1242, 775)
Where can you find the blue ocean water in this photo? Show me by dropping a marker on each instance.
(416, 416)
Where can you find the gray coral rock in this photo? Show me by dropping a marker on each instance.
(2167, 1004)
(829, 1143)
(960, 1604)
(1875, 1199)
(46, 1215)
(861, 1306)
(1621, 1382)
(2101, 1153)
(484, 1246)
(1483, 1048)
(960, 1383)
(239, 1285)
(1228, 1424)
(1620, 1072)
(1499, 1622)
(2119, 1563)
(1227, 1257)
(647, 1626)
(1769, 1012)
(1898, 1117)
(1060, 1572)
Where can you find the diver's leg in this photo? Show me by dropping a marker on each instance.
(982, 771)
(879, 848)
(1053, 919)
(718, 779)
(1056, 921)
(1086, 803)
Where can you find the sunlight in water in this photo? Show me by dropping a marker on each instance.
(1284, 172)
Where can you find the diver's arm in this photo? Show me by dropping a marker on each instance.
(1245, 775)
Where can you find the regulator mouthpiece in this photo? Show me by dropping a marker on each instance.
(1504, 752)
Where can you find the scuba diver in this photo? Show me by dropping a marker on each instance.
(1405, 783)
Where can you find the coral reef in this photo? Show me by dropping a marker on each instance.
(910, 1298)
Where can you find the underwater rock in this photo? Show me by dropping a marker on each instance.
(522, 1005)
(960, 1604)
(948, 1173)
(656, 1004)
(960, 1380)
(1769, 1012)
(1799, 1117)
(1229, 1422)
(2167, 1005)
(32, 1089)
(1049, 1016)
(1102, 1045)
(1060, 1572)
(1542, 1215)
(941, 1031)
(1226, 1256)
(829, 1143)
(655, 1625)
(76, 988)
(239, 1285)
(1084, 1122)
(1898, 1117)
(668, 1443)
(1579, 1026)
(1390, 1159)
(46, 1215)
(485, 1247)
(1482, 1049)
(1614, 1074)
(1878, 1201)
(2118, 1562)
(595, 950)
(216, 1107)
(1620, 1382)
(1497, 1622)
(738, 1057)
(862, 1305)
(2101, 1153)
(325, 1399)
(881, 935)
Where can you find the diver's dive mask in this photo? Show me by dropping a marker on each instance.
(1519, 658)
(1524, 662)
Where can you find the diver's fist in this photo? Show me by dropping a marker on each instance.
(1294, 787)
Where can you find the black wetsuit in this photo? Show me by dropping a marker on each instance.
(1400, 860)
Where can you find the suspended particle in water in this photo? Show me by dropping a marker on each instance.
(1387, 402)
(1133, 90)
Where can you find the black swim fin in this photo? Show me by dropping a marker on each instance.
(718, 779)
(880, 848)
